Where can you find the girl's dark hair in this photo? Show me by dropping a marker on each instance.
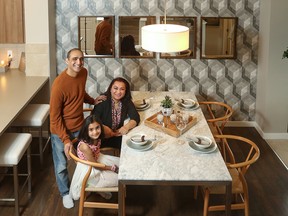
(83, 134)
(127, 96)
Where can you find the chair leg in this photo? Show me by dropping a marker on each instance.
(81, 203)
(206, 202)
(16, 189)
(41, 147)
(29, 180)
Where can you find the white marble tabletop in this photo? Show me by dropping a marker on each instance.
(170, 159)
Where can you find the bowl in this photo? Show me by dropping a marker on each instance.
(140, 103)
(138, 139)
(187, 103)
(202, 142)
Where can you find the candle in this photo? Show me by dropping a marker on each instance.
(2, 63)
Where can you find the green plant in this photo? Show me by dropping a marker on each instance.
(285, 54)
(167, 102)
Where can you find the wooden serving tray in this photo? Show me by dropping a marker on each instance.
(170, 128)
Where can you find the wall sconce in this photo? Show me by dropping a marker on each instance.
(165, 37)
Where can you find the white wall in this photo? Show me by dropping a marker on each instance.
(37, 38)
(272, 88)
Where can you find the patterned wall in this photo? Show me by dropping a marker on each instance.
(231, 81)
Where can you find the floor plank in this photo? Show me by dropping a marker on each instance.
(267, 181)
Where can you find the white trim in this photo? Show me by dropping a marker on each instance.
(254, 124)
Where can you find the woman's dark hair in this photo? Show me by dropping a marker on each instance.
(83, 134)
(128, 46)
(127, 85)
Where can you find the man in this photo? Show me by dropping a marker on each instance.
(102, 45)
(66, 116)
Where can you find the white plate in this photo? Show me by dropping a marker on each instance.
(139, 104)
(203, 138)
(196, 106)
(201, 150)
(140, 147)
(136, 139)
(144, 108)
(188, 103)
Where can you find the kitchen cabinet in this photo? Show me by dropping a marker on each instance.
(11, 22)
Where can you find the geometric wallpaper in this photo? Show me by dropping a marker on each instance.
(230, 81)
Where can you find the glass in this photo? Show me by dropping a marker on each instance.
(180, 123)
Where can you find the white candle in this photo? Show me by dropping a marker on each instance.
(2, 63)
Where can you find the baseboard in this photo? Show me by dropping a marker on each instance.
(254, 124)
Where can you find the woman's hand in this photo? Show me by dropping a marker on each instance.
(123, 130)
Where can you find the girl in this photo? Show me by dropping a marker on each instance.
(90, 137)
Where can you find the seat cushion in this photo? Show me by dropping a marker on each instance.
(33, 115)
(13, 146)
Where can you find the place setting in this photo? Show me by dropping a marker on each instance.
(142, 105)
(140, 142)
(201, 144)
(187, 104)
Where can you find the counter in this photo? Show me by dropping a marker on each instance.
(16, 91)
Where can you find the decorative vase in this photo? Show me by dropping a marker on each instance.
(167, 111)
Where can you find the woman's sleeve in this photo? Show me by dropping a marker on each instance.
(132, 112)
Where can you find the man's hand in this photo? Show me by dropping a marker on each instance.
(67, 148)
(99, 99)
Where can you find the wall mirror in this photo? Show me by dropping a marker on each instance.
(130, 36)
(191, 23)
(218, 37)
(96, 36)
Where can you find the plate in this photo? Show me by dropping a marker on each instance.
(144, 108)
(139, 104)
(136, 139)
(140, 147)
(188, 103)
(206, 141)
(196, 106)
(201, 150)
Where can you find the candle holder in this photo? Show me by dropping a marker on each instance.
(3, 67)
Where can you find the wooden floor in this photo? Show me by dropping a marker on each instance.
(267, 181)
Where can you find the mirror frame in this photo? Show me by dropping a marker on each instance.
(122, 33)
(216, 22)
(92, 36)
(183, 54)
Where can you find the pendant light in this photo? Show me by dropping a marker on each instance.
(165, 37)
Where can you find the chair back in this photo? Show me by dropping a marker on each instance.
(218, 114)
(241, 152)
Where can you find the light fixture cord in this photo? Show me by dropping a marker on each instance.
(165, 12)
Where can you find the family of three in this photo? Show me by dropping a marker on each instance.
(104, 127)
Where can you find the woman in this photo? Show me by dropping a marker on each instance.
(115, 110)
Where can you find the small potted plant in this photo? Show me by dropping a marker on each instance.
(167, 105)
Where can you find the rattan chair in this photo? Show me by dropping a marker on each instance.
(237, 164)
(217, 114)
(83, 203)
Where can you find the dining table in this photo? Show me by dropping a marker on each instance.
(168, 159)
